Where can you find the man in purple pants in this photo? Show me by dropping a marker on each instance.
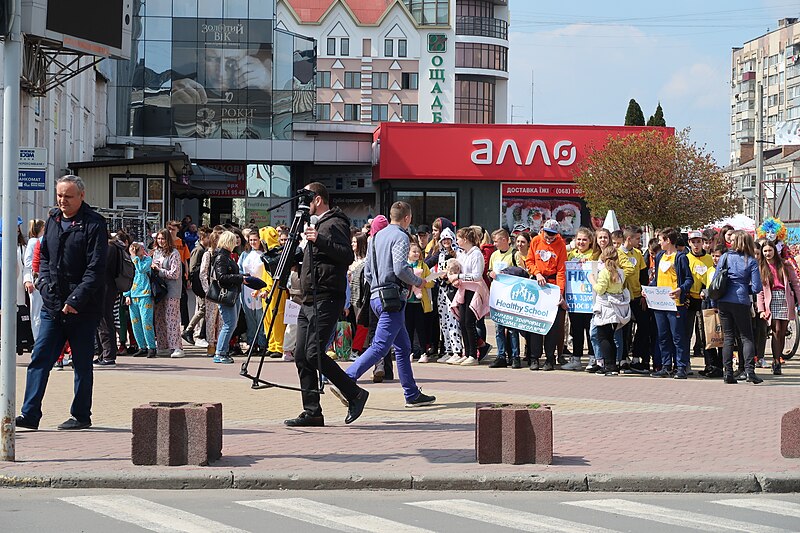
(387, 265)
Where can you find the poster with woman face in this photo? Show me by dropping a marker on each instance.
(526, 206)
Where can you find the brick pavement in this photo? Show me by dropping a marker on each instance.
(625, 424)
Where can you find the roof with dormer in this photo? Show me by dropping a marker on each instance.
(365, 12)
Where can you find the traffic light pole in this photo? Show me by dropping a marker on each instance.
(12, 70)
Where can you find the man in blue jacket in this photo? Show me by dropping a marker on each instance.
(672, 270)
(71, 279)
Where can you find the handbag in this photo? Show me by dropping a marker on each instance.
(158, 287)
(712, 329)
(719, 285)
(219, 294)
(391, 299)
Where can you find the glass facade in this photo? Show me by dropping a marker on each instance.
(474, 101)
(213, 69)
(430, 12)
(479, 55)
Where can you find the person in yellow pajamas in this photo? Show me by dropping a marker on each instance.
(269, 236)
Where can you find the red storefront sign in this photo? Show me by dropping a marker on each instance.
(496, 152)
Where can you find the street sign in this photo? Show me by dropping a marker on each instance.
(32, 180)
(33, 158)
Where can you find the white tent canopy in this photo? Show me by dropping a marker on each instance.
(740, 221)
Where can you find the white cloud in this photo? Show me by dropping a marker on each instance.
(700, 85)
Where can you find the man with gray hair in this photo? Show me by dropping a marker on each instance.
(71, 280)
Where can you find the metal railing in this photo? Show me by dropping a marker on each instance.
(482, 27)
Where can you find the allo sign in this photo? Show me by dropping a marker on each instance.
(563, 153)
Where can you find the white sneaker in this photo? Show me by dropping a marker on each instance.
(288, 356)
(444, 358)
(201, 343)
(177, 354)
(469, 361)
(457, 360)
(424, 358)
(353, 356)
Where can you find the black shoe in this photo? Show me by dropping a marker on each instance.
(776, 369)
(665, 372)
(188, 336)
(730, 379)
(562, 360)
(420, 400)
(22, 422)
(740, 375)
(107, 362)
(593, 368)
(625, 365)
(97, 361)
(305, 420)
(152, 353)
(132, 350)
(499, 362)
(356, 407)
(275, 355)
(714, 372)
(74, 423)
(534, 364)
(680, 374)
(140, 353)
(515, 363)
(752, 378)
(483, 350)
(548, 365)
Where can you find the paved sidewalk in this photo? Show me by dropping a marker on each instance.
(632, 427)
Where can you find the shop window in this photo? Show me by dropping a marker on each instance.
(380, 112)
(352, 80)
(127, 193)
(410, 80)
(352, 112)
(427, 206)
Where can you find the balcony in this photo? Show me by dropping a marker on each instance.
(482, 27)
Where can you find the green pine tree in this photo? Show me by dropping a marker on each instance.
(634, 115)
(658, 118)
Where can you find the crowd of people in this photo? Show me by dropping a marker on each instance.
(398, 293)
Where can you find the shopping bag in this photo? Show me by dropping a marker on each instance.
(343, 342)
(712, 328)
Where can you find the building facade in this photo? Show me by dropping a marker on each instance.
(434, 61)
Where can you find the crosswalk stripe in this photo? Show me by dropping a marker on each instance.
(502, 517)
(331, 516)
(766, 506)
(674, 517)
(149, 515)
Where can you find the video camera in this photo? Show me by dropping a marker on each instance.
(305, 197)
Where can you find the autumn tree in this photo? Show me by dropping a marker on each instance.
(634, 115)
(658, 118)
(655, 178)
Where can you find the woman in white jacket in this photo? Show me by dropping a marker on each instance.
(611, 307)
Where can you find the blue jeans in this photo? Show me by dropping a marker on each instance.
(230, 315)
(255, 327)
(500, 337)
(54, 331)
(391, 331)
(671, 337)
(595, 340)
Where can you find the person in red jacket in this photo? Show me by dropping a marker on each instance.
(547, 262)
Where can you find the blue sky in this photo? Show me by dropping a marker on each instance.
(590, 58)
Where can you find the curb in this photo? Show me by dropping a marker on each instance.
(247, 480)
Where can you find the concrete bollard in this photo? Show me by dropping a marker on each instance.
(513, 434)
(790, 434)
(176, 433)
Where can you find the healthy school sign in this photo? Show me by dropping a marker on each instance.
(520, 303)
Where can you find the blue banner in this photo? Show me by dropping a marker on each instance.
(520, 303)
(579, 294)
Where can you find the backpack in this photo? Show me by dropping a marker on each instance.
(125, 270)
(194, 275)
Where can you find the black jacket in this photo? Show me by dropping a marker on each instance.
(333, 254)
(112, 263)
(73, 262)
(226, 271)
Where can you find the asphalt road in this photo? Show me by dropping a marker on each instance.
(229, 511)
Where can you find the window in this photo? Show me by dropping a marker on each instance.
(478, 55)
(323, 80)
(380, 112)
(352, 80)
(402, 48)
(388, 47)
(366, 47)
(772, 100)
(794, 92)
(323, 111)
(429, 12)
(345, 46)
(410, 80)
(352, 112)
(380, 80)
(474, 102)
(331, 46)
(429, 205)
(410, 113)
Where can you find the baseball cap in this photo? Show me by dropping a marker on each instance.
(694, 234)
(423, 228)
(550, 226)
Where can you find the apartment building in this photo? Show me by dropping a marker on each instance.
(406, 60)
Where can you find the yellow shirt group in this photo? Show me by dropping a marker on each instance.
(699, 267)
(636, 260)
(668, 277)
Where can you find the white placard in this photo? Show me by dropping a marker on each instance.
(658, 298)
(291, 312)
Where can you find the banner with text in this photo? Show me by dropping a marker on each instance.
(520, 303)
(579, 293)
(658, 298)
